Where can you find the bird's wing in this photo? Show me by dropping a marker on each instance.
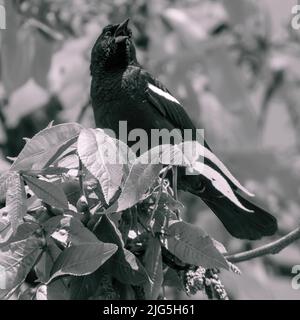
(159, 96)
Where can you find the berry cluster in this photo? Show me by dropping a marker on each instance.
(213, 285)
(194, 280)
(207, 280)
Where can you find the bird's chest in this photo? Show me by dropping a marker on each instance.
(112, 109)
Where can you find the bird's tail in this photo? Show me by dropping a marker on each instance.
(240, 223)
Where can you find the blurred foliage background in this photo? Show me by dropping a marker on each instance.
(235, 66)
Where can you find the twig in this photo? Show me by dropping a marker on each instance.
(270, 248)
(175, 177)
(80, 175)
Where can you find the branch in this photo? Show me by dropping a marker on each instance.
(270, 248)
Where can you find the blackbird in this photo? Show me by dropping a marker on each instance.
(121, 90)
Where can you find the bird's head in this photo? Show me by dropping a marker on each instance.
(114, 49)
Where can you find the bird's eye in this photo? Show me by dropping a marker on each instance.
(107, 34)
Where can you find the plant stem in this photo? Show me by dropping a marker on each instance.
(270, 248)
(159, 192)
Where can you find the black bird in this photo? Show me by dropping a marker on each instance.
(122, 90)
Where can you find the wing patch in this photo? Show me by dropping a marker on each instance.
(162, 93)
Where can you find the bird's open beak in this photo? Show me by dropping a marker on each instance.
(121, 33)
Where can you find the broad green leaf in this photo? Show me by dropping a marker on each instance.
(56, 290)
(124, 265)
(154, 267)
(82, 259)
(16, 260)
(46, 146)
(45, 264)
(6, 179)
(141, 177)
(70, 161)
(147, 167)
(219, 246)
(192, 245)
(72, 191)
(172, 279)
(48, 192)
(101, 156)
(190, 154)
(6, 230)
(69, 230)
(12, 215)
(43, 267)
(82, 288)
(47, 171)
(25, 230)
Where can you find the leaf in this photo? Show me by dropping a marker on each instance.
(16, 260)
(56, 290)
(82, 288)
(82, 259)
(146, 168)
(219, 246)
(6, 178)
(69, 162)
(141, 177)
(46, 146)
(154, 267)
(6, 230)
(124, 265)
(101, 156)
(72, 191)
(51, 171)
(45, 264)
(190, 154)
(12, 215)
(172, 279)
(25, 230)
(48, 192)
(69, 230)
(43, 267)
(193, 246)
